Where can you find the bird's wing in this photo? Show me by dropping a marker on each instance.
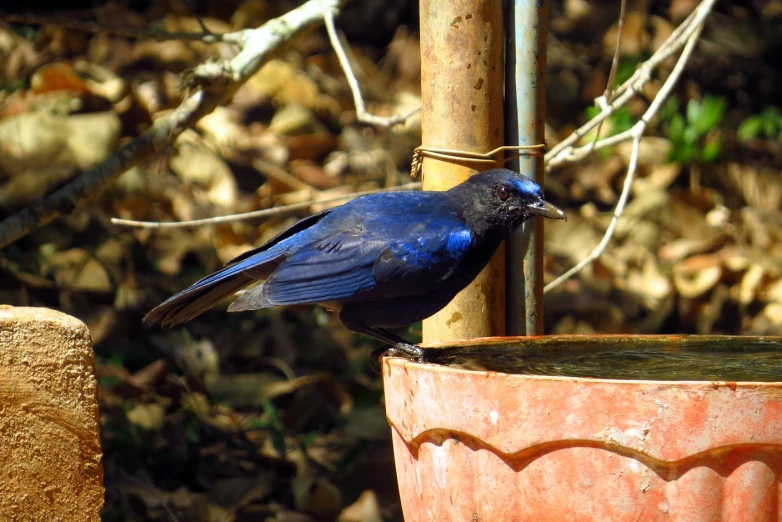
(363, 265)
(297, 227)
(416, 267)
(329, 269)
(238, 273)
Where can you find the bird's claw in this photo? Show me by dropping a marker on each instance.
(411, 351)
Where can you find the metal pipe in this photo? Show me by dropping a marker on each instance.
(525, 102)
(461, 91)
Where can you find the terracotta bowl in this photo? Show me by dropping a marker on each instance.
(492, 446)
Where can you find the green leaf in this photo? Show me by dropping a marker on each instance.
(621, 121)
(770, 127)
(109, 381)
(626, 69)
(691, 135)
(711, 151)
(591, 111)
(669, 108)
(770, 113)
(682, 153)
(115, 360)
(308, 439)
(676, 128)
(705, 115)
(192, 429)
(25, 31)
(275, 426)
(712, 113)
(693, 111)
(750, 128)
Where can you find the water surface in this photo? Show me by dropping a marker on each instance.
(674, 358)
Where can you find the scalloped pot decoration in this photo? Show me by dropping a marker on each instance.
(487, 446)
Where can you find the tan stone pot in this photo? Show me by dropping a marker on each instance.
(491, 446)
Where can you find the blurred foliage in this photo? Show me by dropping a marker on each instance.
(767, 124)
(692, 133)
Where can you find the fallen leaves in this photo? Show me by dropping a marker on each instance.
(275, 415)
(40, 150)
(196, 164)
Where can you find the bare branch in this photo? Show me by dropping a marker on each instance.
(273, 171)
(256, 46)
(620, 206)
(563, 152)
(637, 133)
(608, 94)
(88, 26)
(268, 212)
(361, 111)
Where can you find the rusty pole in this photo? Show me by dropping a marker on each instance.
(525, 102)
(461, 91)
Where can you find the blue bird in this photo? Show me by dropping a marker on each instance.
(381, 261)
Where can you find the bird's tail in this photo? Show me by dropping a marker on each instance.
(207, 292)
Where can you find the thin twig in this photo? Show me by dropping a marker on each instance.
(256, 47)
(273, 171)
(608, 94)
(615, 62)
(583, 151)
(562, 152)
(89, 26)
(637, 133)
(361, 111)
(265, 213)
(620, 206)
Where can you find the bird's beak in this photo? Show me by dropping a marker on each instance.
(546, 209)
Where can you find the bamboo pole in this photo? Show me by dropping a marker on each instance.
(461, 90)
(525, 85)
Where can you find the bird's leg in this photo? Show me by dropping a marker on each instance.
(399, 346)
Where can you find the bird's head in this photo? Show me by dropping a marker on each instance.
(503, 199)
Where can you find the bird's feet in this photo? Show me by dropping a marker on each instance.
(411, 351)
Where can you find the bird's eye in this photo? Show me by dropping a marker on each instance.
(503, 193)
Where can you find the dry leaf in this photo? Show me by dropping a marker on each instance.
(157, 505)
(367, 423)
(77, 269)
(652, 151)
(40, 150)
(151, 374)
(240, 491)
(319, 497)
(57, 77)
(294, 118)
(147, 416)
(634, 37)
(750, 284)
(284, 83)
(569, 325)
(195, 163)
(661, 176)
(365, 509)
(649, 284)
(694, 283)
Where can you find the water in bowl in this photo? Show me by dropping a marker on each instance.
(670, 358)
